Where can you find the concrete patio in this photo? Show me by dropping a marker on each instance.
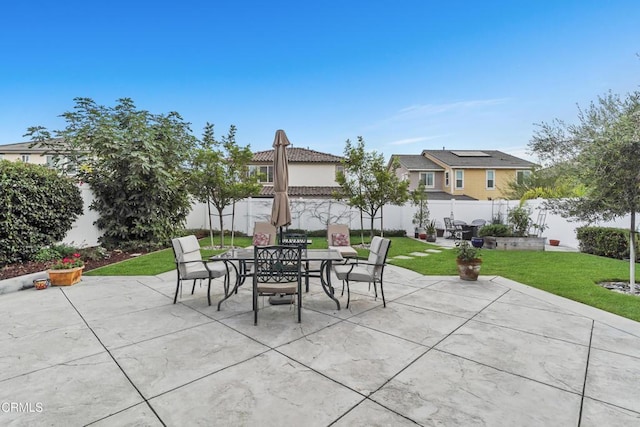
(116, 351)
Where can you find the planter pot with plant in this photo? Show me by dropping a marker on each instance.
(421, 216)
(468, 260)
(67, 271)
(431, 231)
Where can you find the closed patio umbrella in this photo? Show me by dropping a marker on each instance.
(280, 211)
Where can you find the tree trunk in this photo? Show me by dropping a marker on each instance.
(221, 227)
(210, 223)
(632, 254)
(371, 227)
(361, 228)
(233, 221)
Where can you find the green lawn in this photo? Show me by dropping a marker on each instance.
(568, 274)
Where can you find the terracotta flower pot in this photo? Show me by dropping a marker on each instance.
(554, 242)
(66, 277)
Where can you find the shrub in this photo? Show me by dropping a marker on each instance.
(495, 230)
(94, 253)
(37, 208)
(520, 220)
(604, 241)
(46, 254)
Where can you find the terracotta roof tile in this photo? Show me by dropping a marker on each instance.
(298, 155)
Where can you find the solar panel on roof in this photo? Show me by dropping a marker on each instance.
(470, 154)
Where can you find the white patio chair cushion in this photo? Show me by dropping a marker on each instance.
(345, 251)
(357, 273)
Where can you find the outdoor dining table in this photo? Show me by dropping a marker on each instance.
(241, 257)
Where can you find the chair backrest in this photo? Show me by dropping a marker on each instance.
(294, 239)
(186, 249)
(447, 223)
(378, 253)
(338, 232)
(277, 264)
(266, 228)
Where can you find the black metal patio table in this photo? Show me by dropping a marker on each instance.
(326, 257)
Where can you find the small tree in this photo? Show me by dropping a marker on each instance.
(419, 200)
(134, 162)
(368, 184)
(220, 174)
(603, 152)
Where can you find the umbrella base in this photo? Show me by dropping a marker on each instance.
(281, 299)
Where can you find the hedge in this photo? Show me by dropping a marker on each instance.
(605, 241)
(37, 208)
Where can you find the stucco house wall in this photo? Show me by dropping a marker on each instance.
(312, 174)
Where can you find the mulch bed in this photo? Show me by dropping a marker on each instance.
(19, 269)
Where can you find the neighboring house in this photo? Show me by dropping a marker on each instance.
(312, 174)
(462, 174)
(23, 152)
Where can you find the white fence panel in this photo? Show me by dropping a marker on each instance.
(314, 214)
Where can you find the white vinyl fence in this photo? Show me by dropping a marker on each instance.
(314, 214)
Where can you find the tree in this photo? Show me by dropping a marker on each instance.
(220, 174)
(367, 184)
(603, 152)
(547, 183)
(134, 162)
(419, 200)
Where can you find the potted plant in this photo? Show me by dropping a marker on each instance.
(468, 260)
(430, 230)
(67, 271)
(421, 216)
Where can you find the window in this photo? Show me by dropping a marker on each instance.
(49, 161)
(339, 169)
(427, 179)
(522, 176)
(446, 179)
(264, 173)
(24, 158)
(459, 179)
(491, 180)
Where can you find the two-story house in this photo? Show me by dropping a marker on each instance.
(311, 173)
(462, 174)
(22, 151)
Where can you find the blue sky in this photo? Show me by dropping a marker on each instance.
(405, 75)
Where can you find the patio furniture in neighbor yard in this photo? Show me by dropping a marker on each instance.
(338, 239)
(370, 271)
(190, 266)
(449, 228)
(476, 225)
(277, 271)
